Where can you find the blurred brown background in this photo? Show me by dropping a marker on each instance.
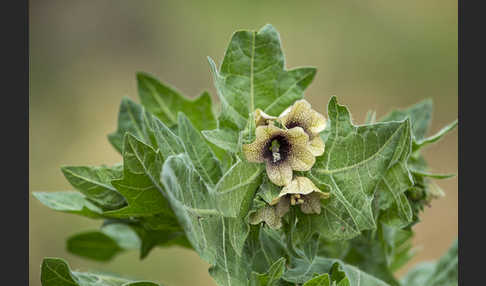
(84, 54)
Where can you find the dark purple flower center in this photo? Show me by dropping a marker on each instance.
(277, 149)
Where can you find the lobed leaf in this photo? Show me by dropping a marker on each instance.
(140, 184)
(165, 102)
(420, 115)
(218, 240)
(352, 166)
(253, 75)
(130, 120)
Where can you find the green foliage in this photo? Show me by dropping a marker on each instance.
(56, 272)
(103, 245)
(185, 182)
(444, 272)
(164, 102)
(95, 183)
(70, 202)
(355, 157)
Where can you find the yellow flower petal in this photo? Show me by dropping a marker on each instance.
(299, 185)
(297, 136)
(265, 132)
(317, 122)
(253, 152)
(301, 114)
(302, 188)
(301, 158)
(280, 174)
(316, 146)
(261, 118)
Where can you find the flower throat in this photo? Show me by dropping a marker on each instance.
(277, 149)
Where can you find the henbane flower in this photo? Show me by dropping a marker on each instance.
(300, 114)
(281, 150)
(301, 191)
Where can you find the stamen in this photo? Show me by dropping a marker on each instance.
(292, 200)
(275, 148)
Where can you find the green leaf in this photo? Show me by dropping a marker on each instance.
(130, 120)
(218, 240)
(321, 280)
(235, 191)
(135, 120)
(266, 247)
(302, 270)
(444, 272)
(420, 115)
(268, 191)
(271, 277)
(201, 155)
(124, 235)
(380, 253)
(166, 141)
(397, 245)
(94, 245)
(223, 138)
(368, 253)
(253, 75)
(351, 167)
(162, 237)
(398, 210)
(103, 245)
(436, 137)
(390, 195)
(95, 184)
(339, 276)
(140, 184)
(56, 272)
(431, 175)
(165, 102)
(69, 202)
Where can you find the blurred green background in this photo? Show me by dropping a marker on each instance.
(84, 54)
